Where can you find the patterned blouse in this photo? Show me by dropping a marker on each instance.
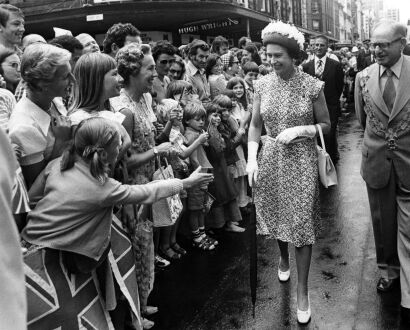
(143, 133)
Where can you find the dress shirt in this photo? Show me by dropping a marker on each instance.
(396, 69)
(198, 80)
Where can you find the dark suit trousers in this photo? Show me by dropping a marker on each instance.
(385, 211)
(331, 141)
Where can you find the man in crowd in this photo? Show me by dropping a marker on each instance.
(71, 44)
(220, 45)
(331, 72)
(11, 26)
(164, 56)
(89, 43)
(195, 69)
(382, 101)
(30, 39)
(120, 35)
(365, 57)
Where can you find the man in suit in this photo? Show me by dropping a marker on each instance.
(382, 101)
(364, 57)
(331, 72)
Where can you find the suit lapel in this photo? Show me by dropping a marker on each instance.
(311, 68)
(326, 68)
(374, 89)
(402, 95)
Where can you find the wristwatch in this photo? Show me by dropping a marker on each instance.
(155, 151)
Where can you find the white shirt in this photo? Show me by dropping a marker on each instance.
(396, 69)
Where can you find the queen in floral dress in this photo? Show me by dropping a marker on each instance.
(285, 175)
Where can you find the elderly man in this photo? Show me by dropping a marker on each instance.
(382, 102)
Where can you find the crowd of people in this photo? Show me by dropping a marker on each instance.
(95, 132)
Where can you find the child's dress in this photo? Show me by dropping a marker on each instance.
(238, 169)
(225, 207)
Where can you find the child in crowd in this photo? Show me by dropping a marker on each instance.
(194, 120)
(251, 72)
(224, 210)
(233, 129)
(76, 197)
(97, 80)
(172, 113)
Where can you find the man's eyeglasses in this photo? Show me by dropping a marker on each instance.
(384, 45)
(165, 62)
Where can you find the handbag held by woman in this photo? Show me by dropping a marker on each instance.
(327, 171)
(165, 212)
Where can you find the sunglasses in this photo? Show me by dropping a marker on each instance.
(165, 62)
(384, 45)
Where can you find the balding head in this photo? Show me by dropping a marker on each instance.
(32, 39)
(389, 40)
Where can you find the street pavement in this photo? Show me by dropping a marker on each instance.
(210, 290)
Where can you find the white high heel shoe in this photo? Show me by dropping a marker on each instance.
(304, 316)
(283, 276)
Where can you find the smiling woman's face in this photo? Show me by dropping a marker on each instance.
(145, 77)
(279, 58)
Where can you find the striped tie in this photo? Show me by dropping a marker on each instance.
(319, 69)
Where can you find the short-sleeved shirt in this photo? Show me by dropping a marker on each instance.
(79, 115)
(30, 130)
(7, 104)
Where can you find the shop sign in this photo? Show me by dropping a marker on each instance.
(209, 26)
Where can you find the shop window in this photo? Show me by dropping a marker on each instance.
(315, 7)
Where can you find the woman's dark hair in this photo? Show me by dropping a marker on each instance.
(210, 63)
(232, 83)
(4, 53)
(251, 48)
(91, 139)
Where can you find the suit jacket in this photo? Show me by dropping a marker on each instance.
(386, 140)
(333, 77)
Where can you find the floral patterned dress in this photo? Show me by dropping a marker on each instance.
(142, 140)
(287, 190)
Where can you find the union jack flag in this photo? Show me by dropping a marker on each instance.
(59, 300)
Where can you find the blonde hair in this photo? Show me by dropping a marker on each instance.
(40, 63)
(91, 139)
(89, 73)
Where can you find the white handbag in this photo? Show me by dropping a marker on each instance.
(327, 171)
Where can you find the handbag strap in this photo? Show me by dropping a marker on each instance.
(158, 160)
(322, 141)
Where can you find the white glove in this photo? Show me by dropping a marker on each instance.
(252, 165)
(289, 134)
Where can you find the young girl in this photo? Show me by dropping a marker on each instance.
(97, 80)
(194, 120)
(76, 197)
(225, 210)
(172, 113)
(235, 121)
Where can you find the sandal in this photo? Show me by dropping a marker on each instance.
(169, 253)
(203, 244)
(178, 249)
(211, 240)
